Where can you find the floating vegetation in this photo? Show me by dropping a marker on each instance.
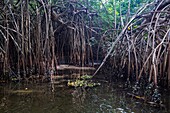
(84, 82)
(86, 77)
(24, 91)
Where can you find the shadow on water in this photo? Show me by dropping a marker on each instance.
(107, 98)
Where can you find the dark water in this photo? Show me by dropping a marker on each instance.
(106, 98)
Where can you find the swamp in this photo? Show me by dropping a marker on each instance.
(84, 56)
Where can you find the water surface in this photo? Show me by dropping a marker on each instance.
(107, 98)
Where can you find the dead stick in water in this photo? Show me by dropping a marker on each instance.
(144, 99)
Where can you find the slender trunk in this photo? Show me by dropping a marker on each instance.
(39, 59)
(169, 65)
(6, 60)
(121, 18)
(46, 44)
(115, 13)
(90, 46)
(23, 40)
(18, 50)
(128, 12)
(27, 37)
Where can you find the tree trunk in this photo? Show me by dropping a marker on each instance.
(169, 65)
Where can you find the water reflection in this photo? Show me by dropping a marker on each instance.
(41, 99)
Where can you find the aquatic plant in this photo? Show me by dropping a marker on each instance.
(84, 77)
(84, 81)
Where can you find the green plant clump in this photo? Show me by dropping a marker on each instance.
(85, 82)
(85, 77)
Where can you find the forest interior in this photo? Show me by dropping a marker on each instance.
(126, 39)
